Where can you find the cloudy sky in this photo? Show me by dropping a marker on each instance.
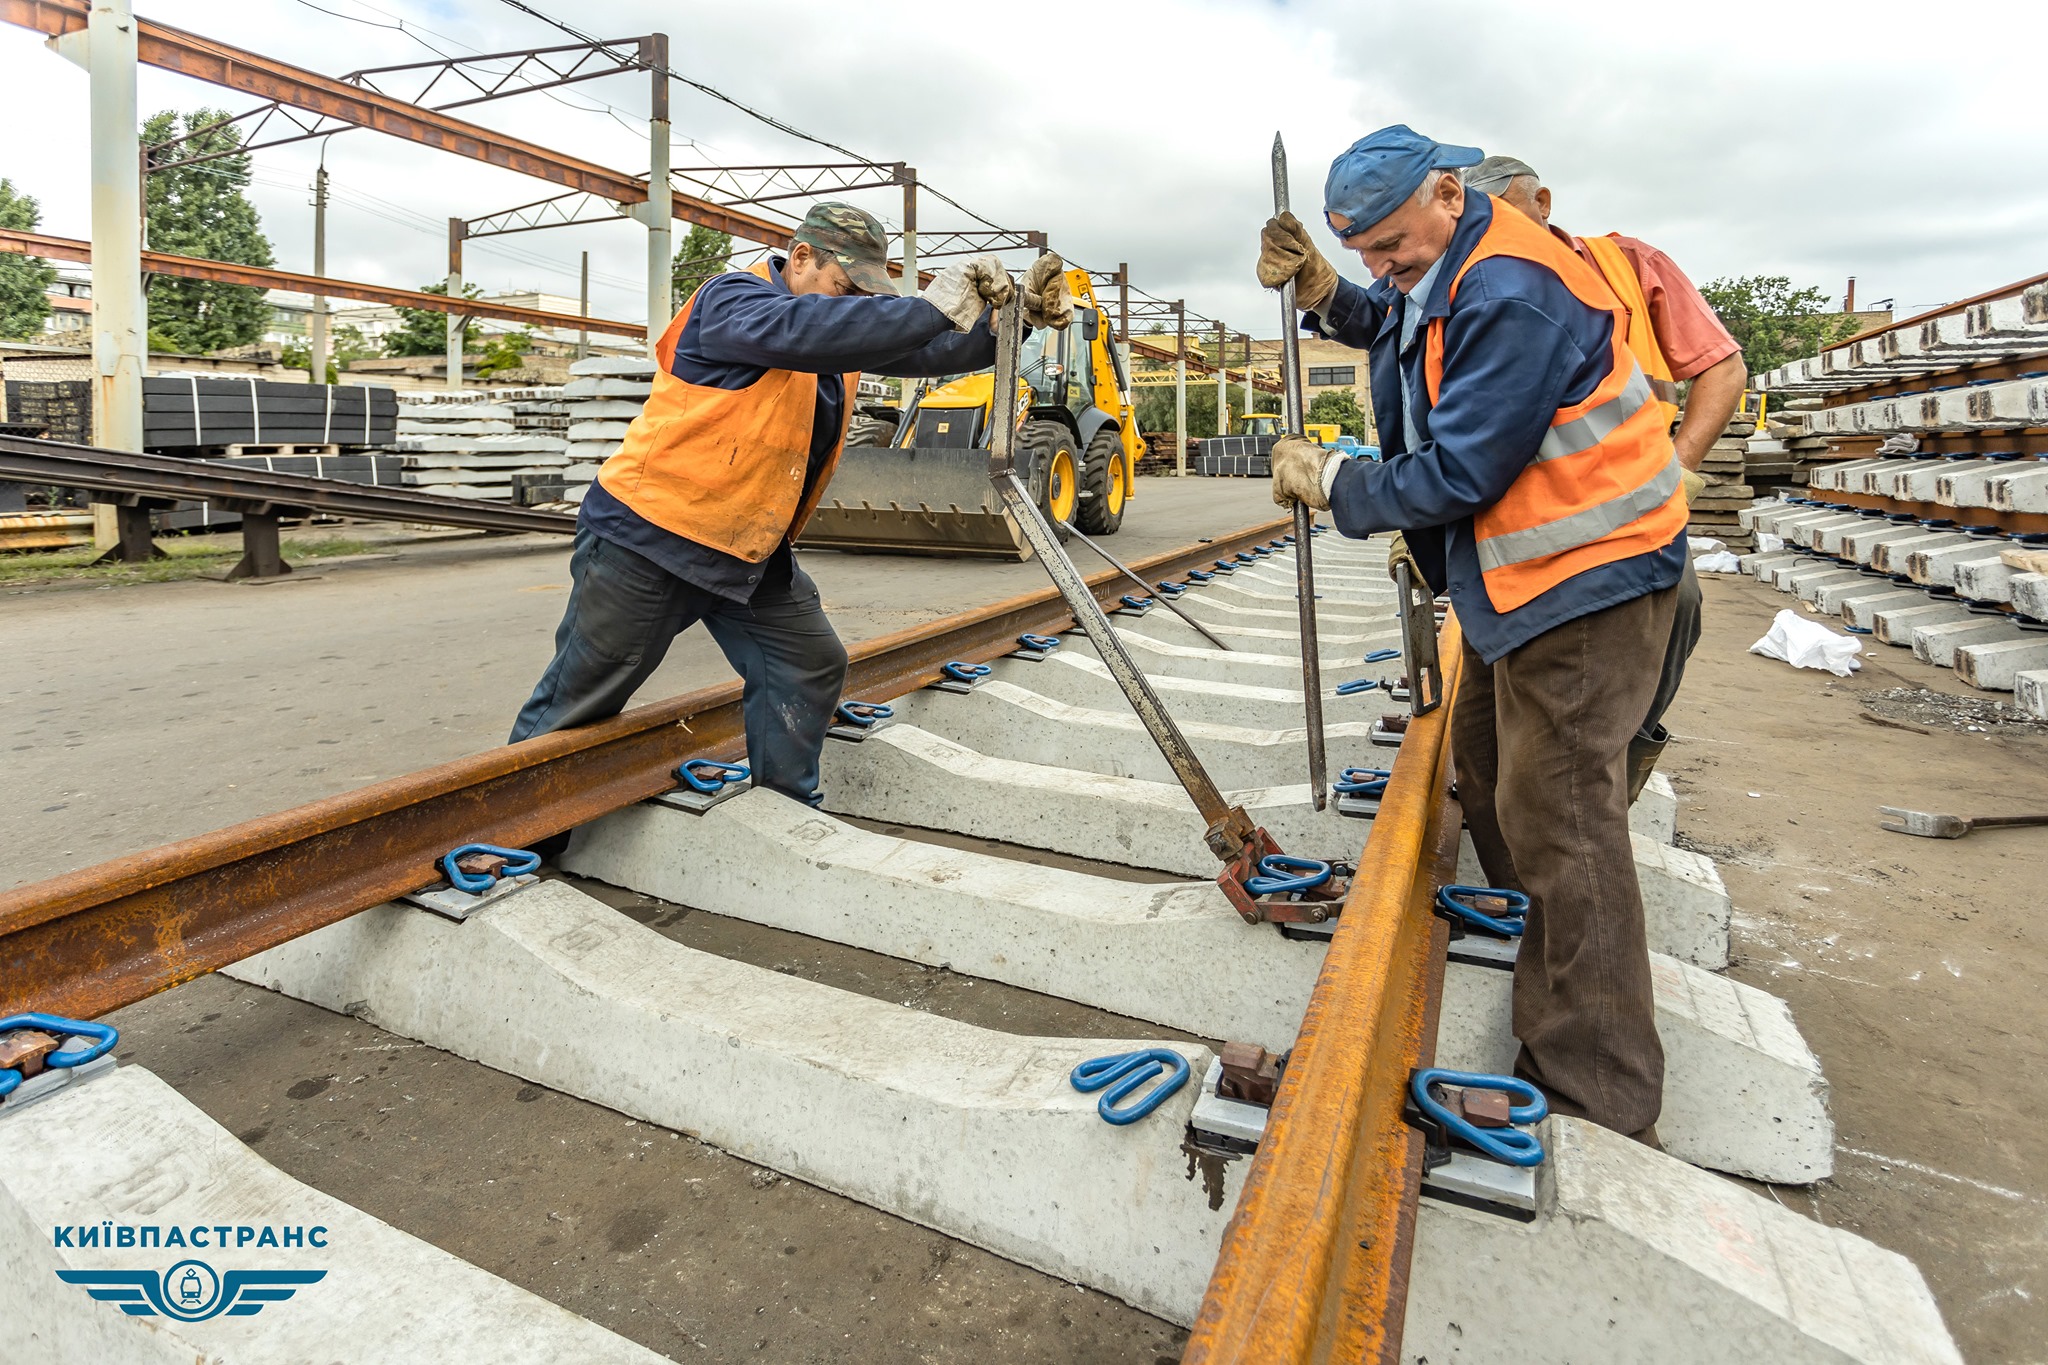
(1817, 141)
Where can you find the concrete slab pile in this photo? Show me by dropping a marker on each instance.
(603, 396)
(124, 1150)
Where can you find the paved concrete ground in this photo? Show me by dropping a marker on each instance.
(142, 714)
(137, 715)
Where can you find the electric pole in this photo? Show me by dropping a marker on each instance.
(317, 341)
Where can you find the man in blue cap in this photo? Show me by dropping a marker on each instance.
(1533, 474)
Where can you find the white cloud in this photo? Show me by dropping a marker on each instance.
(1882, 141)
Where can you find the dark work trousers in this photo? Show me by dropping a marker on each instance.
(623, 612)
(1540, 740)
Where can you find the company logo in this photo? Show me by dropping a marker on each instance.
(191, 1291)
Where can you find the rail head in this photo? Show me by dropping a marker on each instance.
(1314, 1263)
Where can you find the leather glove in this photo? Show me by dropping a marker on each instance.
(964, 290)
(1397, 555)
(1286, 252)
(1693, 482)
(1046, 301)
(1298, 472)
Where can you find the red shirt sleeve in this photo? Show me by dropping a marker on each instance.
(1691, 335)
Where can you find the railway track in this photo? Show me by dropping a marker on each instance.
(1314, 1233)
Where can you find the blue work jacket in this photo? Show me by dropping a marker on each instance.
(1518, 345)
(742, 326)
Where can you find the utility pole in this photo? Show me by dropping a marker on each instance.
(457, 322)
(317, 349)
(1222, 383)
(660, 247)
(1180, 389)
(1249, 406)
(105, 47)
(583, 309)
(906, 176)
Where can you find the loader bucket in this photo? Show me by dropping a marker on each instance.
(914, 500)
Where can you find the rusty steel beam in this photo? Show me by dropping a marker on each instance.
(1314, 1265)
(20, 243)
(1197, 363)
(102, 937)
(234, 68)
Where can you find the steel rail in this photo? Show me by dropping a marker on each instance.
(26, 460)
(92, 940)
(19, 243)
(1314, 1264)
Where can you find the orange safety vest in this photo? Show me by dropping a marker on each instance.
(724, 467)
(1603, 486)
(1642, 335)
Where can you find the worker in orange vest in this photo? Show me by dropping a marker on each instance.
(1532, 469)
(693, 518)
(1675, 336)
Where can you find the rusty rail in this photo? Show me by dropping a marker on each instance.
(90, 941)
(1314, 1264)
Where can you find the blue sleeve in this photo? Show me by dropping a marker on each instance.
(1352, 317)
(741, 319)
(951, 353)
(1508, 367)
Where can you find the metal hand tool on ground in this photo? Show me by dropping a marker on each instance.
(1418, 642)
(1230, 834)
(1157, 596)
(1294, 418)
(1929, 825)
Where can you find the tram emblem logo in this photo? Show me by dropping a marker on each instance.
(191, 1291)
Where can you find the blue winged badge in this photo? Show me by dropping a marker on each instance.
(191, 1291)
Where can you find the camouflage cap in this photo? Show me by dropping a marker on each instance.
(853, 237)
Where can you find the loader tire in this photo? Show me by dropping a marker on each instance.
(1045, 455)
(864, 430)
(1102, 479)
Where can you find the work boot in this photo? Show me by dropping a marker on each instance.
(1644, 749)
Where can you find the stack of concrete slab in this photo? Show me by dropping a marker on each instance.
(1728, 490)
(466, 445)
(2010, 328)
(1971, 599)
(603, 396)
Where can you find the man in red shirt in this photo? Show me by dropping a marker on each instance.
(1680, 336)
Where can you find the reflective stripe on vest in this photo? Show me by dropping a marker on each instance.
(1580, 528)
(1603, 485)
(1621, 277)
(1583, 433)
(725, 467)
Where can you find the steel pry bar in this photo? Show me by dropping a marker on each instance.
(1294, 418)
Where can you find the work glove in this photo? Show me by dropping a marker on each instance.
(1046, 301)
(1397, 555)
(1286, 252)
(1298, 472)
(963, 291)
(1693, 482)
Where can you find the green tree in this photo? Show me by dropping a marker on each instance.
(24, 280)
(504, 351)
(201, 210)
(346, 344)
(1155, 406)
(1340, 408)
(422, 331)
(1775, 323)
(702, 256)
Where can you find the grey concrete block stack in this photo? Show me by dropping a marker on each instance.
(468, 445)
(604, 394)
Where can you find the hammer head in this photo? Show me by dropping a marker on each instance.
(1924, 823)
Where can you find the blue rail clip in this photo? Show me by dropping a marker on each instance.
(1123, 1073)
(959, 677)
(1510, 1146)
(1505, 922)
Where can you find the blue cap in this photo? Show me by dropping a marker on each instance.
(1377, 173)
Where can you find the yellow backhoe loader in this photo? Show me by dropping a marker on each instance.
(915, 481)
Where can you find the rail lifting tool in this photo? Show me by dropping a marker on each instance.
(1246, 851)
(1293, 417)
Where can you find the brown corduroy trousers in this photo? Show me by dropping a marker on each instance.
(1540, 740)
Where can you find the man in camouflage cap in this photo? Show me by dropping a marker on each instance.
(693, 517)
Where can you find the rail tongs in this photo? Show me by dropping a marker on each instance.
(1264, 884)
